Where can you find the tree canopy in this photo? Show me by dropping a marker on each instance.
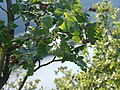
(60, 28)
(103, 72)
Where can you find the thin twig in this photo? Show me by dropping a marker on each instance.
(47, 63)
(3, 9)
(25, 78)
(17, 18)
(26, 29)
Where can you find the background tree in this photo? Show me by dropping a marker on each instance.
(58, 29)
(104, 70)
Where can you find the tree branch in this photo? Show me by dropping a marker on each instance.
(17, 18)
(47, 63)
(3, 9)
(10, 18)
(2, 61)
(25, 78)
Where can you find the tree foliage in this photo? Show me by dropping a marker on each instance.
(103, 72)
(52, 27)
(60, 28)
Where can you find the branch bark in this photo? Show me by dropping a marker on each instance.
(10, 19)
(2, 61)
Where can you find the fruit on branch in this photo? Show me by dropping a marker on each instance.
(92, 9)
(21, 62)
(84, 41)
(92, 43)
(43, 6)
(35, 39)
(27, 23)
(13, 59)
(14, 45)
(43, 39)
(88, 40)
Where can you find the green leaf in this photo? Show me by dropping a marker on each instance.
(71, 29)
(37, 32)
(81, 63)
(79, 48)
(68, 57)
(80, 59)
(90, 31)
(58, 12)
(15, 8)
(76, 38)
(116, 36)
(64, 45)
(79, 18)
(36, 2)
(65, 6)
(69, 22)
(13, 26)
(46, 22)
(64, 26)
(1, 23)
(59, 21)
(1, 0)
(41, 50)
(30, 69)
(58, 52)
